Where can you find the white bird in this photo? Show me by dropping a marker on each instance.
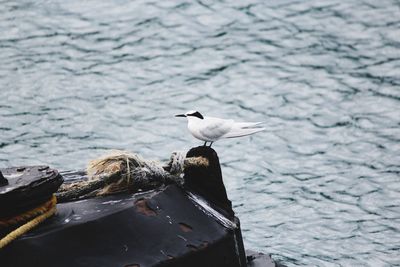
(210, 129)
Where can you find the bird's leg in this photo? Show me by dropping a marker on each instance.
(205, 143)
(210, 144)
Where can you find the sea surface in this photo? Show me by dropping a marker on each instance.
(319, 187)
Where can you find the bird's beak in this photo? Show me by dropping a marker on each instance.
(180, 115)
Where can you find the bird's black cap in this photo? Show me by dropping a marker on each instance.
(196, 114)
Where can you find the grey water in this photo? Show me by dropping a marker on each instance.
(319, 187)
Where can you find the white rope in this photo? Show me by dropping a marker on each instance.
(177, 162)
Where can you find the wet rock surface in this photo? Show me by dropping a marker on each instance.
(156, 228)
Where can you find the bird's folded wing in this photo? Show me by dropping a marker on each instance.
(238, 132)
(244, 128)
(216, 128)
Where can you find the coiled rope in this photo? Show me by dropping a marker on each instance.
(30, 218)
(123, 171)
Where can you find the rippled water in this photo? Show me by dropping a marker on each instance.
(319, 188)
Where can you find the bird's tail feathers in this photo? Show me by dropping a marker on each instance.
(243, 132)
(247, 124)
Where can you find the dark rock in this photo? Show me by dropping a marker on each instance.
(256, 259)
(3, 181)
(208, 182)
(156, 228)
(27, 188)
